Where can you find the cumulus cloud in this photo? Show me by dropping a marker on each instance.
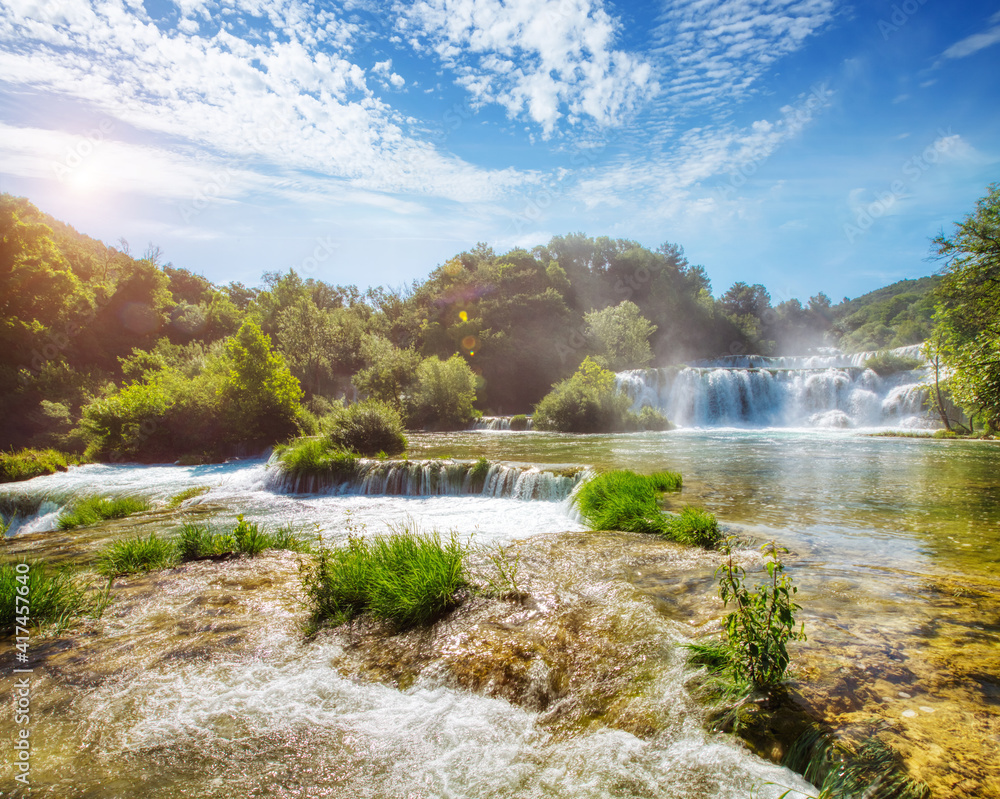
(546, 60)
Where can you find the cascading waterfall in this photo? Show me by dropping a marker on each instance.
(431, 478)
(494, 423)
(829, 389)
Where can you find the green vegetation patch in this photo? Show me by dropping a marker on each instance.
(188, 493)
(369, 428)
(624, 500)
(51, 597)
(316, 457)
(885, 363)
(404, 578)
(138, 554)
(27, 463)
(519, 422)
(92, 510)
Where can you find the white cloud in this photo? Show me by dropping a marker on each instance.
(548, 60)
(716, 50)
(279, 94)
(976, 42)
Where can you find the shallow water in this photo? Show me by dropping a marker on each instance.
(895, 544)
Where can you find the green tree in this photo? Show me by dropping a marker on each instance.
(260, 396)
(620, 336)
(390, 371)
(967, 324)
(587, 402)
(443, 394)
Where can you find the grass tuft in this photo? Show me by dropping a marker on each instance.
(404, 578)
(92, 510)
(53, 597)
(132, 555)
(27, 463)
(316, 457)
(693, 526)
(188, 493)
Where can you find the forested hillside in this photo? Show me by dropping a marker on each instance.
(103, 348)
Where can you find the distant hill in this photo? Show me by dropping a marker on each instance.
(893, 316)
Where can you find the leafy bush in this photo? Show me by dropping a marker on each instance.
(405, 578)
(27, 463)
(519, 422)
(315, 457)
(762, 622)
(52, 597)
(368, 428)
(651, 419)
(136, 555)
(92, 510)
(443, 395)
(587, 402)
(886, 362)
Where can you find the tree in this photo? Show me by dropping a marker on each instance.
(967, 325)
(260, 396)
(390, 371)
(443, 395)
(620, 336)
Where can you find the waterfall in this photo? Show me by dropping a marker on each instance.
(829, 389)
(431, 478)
(497, 423)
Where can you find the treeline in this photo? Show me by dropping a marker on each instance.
(118, 353)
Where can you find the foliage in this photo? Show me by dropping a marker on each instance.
(443, 394)
(587, 402)
(198, 541)
(651, 419)
(368, 428)
(260, 396)
(519, 422)
(478, 474)
(389, 373)
(620, 337)
(27, 463)
(692, 526)
(181, 497)
(316, 457)
(762, 621)
(139, 554)
(967, 326)
(885, 363)
(624, 500)
(54, 597)
(499, 578)
(404, 578)
(245, 538)
(91, 510)
(894, 316)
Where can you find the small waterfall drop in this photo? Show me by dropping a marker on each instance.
(495, 423)
(826, 390)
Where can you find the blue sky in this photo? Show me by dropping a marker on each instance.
(809, 145)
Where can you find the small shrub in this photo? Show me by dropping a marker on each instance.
(27, 463)
(651, 419)
(92, 510)
(198, 541)
(519, 422)
(762, 621)
(138, 554)
(52, 597)
(315, 457)
(478, 473)
(587, 402)
(886, 362)
(692, 526)
(248, 537)
(369, 427)
(404, 578)
(188, 493)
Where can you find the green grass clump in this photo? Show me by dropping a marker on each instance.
(477, 474)
(198, 541)
(132, 555)
(316, 457)
(92, 510)
(623, 500)
(27, 463)
(188, 493)
(693, 526)
(886, 362)
(519, 422)
(53, 597)
(405, 578)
